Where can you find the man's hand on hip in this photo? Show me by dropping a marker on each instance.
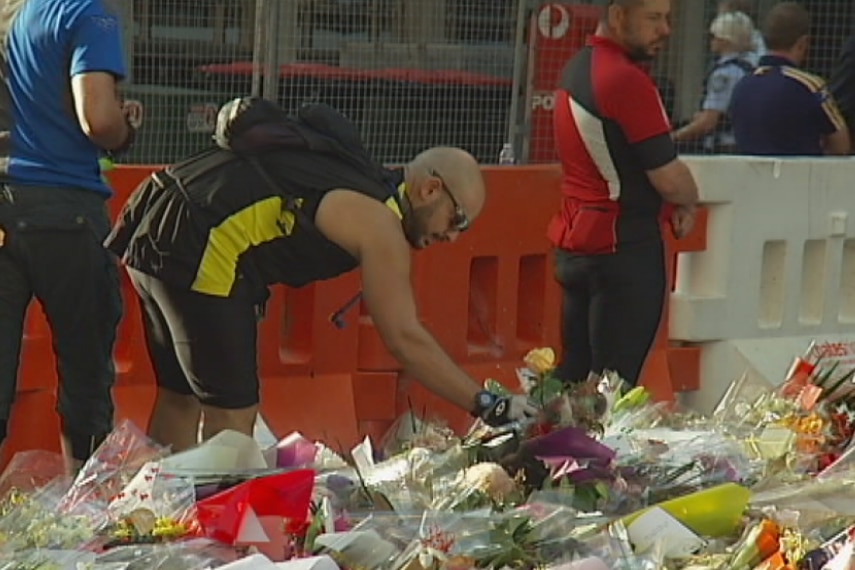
(683, 221)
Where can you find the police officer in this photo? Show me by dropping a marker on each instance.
(732, 43)
(747, 7)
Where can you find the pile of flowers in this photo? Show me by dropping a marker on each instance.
(604, 478)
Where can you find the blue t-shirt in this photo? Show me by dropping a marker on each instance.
(780, 110)
(51, 41)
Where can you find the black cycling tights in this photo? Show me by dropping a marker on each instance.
(611, 310)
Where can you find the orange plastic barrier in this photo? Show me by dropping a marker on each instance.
(670, 369)
(488, 299)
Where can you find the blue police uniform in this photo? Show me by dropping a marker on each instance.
(720, 83)
(781, 110)
(758, 48)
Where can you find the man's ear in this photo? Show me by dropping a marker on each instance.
(429, 188)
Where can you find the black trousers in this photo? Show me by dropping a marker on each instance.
(201, 345)
(52, 249)
(612, 305)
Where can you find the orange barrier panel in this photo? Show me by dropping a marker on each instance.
(672, 369)
(135, 403)
(491, 296)
(33, 424)
(297, 335)
(488, 299)
(37, 353)
(320, 406)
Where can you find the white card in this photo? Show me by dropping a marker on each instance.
(363, 456)
(251, 531)
(657, 528)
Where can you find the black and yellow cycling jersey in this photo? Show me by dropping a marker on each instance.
(213, 219)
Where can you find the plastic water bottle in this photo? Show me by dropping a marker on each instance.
(506, 156)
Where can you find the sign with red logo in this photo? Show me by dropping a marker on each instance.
(202, 118)
(558, 32)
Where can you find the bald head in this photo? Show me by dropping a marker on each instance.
(604, 5)
(460, 172)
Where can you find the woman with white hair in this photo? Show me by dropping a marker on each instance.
(732, 41)
(747, 7)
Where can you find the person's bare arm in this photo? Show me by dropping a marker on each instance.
(836, 139)
(703, 123)
(372, 233)
(675, 183)
(99, 110)
(838, 143)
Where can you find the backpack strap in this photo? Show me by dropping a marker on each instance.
(290, 200)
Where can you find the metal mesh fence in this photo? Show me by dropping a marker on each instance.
(556, 30)
(168, 43)
(409, 73)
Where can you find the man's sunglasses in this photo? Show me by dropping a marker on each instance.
(460, 221)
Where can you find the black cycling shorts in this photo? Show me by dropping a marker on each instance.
(612, 306)
(200, 344)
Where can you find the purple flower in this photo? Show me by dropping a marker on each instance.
(570, 442)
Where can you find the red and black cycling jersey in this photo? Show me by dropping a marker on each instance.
(610, 128)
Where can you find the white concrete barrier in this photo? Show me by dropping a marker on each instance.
(779, 269)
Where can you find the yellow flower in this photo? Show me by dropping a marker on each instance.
(540, 360)
(169, 528)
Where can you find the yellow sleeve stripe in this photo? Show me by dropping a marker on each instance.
(813, 83)
(833, 112)
(392, 203)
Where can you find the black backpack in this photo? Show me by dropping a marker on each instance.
(250, 126)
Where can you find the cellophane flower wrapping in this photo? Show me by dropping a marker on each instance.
(109, 470)
(196, 554)
(284, 495)
(395, 480)
(612, 545)
(34, 521)
(153, 504)
(31, 470)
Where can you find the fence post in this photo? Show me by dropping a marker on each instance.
(516, 127)
(259, 33)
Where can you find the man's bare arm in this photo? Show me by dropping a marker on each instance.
(373, 234)
(702, 124)
(98, 109)
(675, 183)
(838, 143)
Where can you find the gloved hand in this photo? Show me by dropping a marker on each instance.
(497, 410)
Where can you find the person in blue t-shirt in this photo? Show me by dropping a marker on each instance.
(59, 113)
(781, 110)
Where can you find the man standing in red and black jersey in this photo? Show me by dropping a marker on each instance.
(622, 182)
